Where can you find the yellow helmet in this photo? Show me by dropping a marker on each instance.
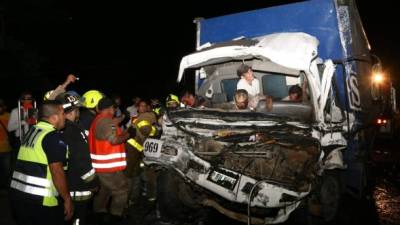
(172, 101)
(91, 98)
(172, 98)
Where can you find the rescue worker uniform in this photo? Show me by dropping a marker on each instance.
(81, 175)
(145, 127)
(34, 198)
(109, 161)
(86, 118)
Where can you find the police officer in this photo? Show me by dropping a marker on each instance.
(80, 175)
(39, 193)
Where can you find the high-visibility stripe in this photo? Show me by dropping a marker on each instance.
(66, 105)
(88, 174)
(153, 131)
(147, 123)
(31, 179)
(80, 193)
(32, 189)
(108, 156)
(109, 165)
(135, 144)
(143, 123)
(74, 103)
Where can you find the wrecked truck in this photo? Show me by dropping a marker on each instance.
(260, 165)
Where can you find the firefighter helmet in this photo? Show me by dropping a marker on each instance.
(69, 101)
(91, 98)
(172, 100)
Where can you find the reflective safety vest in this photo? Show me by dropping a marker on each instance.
(135, 144)
(106, 158)
(32, 177)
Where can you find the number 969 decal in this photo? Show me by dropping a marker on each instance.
(152, 148)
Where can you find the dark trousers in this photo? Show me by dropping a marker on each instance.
(80, 213)
(28, 213)
(5, 169)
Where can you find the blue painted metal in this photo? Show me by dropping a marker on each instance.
(315, 17)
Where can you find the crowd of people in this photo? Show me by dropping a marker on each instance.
(73, 155)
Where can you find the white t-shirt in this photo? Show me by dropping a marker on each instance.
(13, 124)
(252, 90)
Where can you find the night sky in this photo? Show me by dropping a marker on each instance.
(120, 47)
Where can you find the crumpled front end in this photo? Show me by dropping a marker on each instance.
(270, 163)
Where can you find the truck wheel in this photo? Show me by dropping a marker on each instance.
(324, 206)
(175, 200)
(330, 195)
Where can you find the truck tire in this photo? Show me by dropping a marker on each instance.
(175, 202)
(331, 193)
(327, 199)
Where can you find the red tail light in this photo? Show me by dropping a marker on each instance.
(380, 121)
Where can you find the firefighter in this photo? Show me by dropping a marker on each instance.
(80, 175)
(106, 143)
(159, 111)
(88, 112)
(144, 127)
(39, 187)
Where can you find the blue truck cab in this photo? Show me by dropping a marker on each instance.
(264, 162)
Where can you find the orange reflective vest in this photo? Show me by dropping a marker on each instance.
(106, 158)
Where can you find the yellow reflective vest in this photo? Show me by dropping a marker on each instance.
(32, 177)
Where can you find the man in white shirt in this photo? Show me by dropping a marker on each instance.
(28, 116)
(247, 81)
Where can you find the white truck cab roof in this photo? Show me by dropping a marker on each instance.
(292, 50)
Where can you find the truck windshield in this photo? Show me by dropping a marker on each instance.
(278, 85)
(275, 85)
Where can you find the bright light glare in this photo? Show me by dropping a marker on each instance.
(381, 121)
(378, 78)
